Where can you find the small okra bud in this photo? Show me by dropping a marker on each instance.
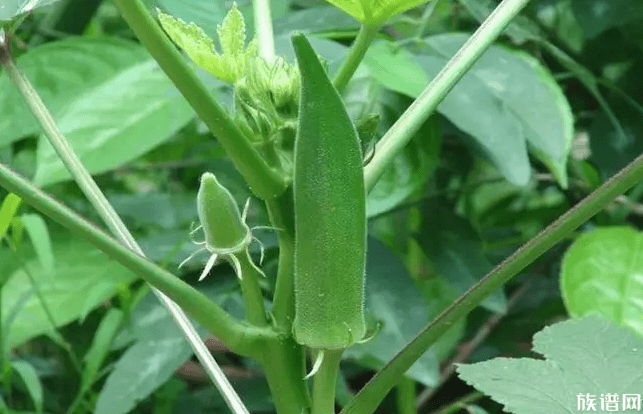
(223, 226)
(330, 214)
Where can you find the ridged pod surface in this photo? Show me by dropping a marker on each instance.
(330, 214)
(219, 215)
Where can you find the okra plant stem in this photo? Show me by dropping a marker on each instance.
(255, 310)
(263, 181)
(263, 29)
(403, 130)
(355, 55)
(367, 400)
(325, 381)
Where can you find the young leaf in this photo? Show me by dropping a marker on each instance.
(601, 274)
(375, 12)
(32, 383)
(8, 209)
(587, 356)
(330, 214)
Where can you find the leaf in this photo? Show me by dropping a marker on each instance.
(410, 170)
(314, 20)
(141, 370)
(393, 300)
(506, 100)
(453, 246)
(100, 347)
(8, 210)
(601, 274)
(85, 277)
(330, 213)
(116, 122)
(596, 16)
(30, 378)
(206, 14)
(40, 240)
(60, 72)
(375, 12)
(583, 356)
(12, 8)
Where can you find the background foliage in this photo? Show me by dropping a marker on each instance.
(547, 114)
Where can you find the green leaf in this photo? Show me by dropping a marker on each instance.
(583, 356)
(314, 20)
(60, 72)
(142, 369)
(455, 249)
(206, 14)
(330, 213)
(409, 172)
(40, 240)
(100, 347)
(601, 274)
(30, 378)
(85, 278)
(8, 210)
(505, 101)
(116, 122)
(12, 8)
(393, 300)
(375, 12)
(596, 16)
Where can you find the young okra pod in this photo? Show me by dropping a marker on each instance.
(330, 214)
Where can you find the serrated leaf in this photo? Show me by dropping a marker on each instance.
(60, 72)
(232, 32)
(116, 122)
(583, 356)
(375, 12)
(601, 273)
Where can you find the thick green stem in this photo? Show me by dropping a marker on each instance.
(255, 310)
(325, 382)
(239, 337)
(283, 364)
(283, 304)
(358, 50)
(263, 29)
(403, 130)
(372, 394)
(264, 182)
(406, 395)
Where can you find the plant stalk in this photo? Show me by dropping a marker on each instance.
(263, 29)
(403, 130)
(255, 310)
(264, 182)
(325, 382)
(118, 228)
(367, 400)
(355, 56)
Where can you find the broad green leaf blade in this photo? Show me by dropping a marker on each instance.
(330, 213)
(516, 87)
(375, 12)
(60, 72)
(40, 240)
(584, 356)
(596, 16)
(30, 378)
(12, 8)
(315, 19)
(8, 210)
(456, 251)
(116, 122)
(392, 299)
(100, 347)
(141, 370)
(85, 278)
(601, 273)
